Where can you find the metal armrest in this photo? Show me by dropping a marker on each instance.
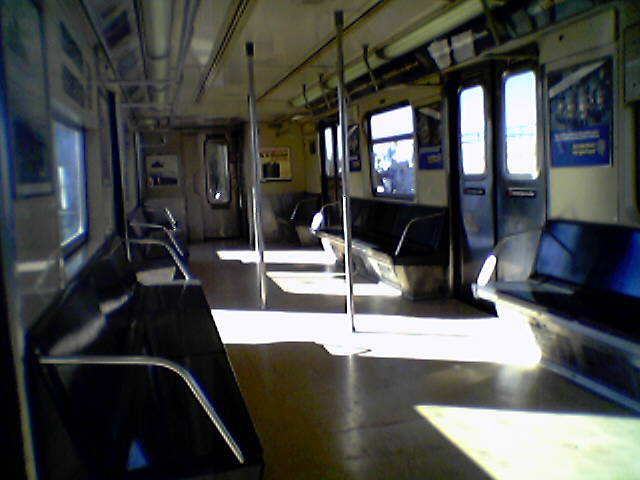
(167, 231)
(165, 211)
(149, 361)
(491, 262)
(411, 222)
(325, 206)
(295, 209)
(152, 241)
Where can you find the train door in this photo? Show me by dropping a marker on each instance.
(500, 181)
(221, 188)
(331, 179)
(213, 202)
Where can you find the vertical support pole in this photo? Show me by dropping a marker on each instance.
(346, 199)
(257, 187)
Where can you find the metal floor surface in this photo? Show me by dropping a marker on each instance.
(427, 390)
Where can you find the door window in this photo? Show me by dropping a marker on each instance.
(218, 185)
(521, 124)
(472, 130)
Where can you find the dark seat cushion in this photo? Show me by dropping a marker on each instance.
(586, 272)
(379, 225)
(134, 422)
(606, 311)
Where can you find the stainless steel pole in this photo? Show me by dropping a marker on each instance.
(346, 201)
(257, 187)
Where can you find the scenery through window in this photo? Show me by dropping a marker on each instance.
(392, 153)
(72, 194)
(521, 124)
(472, 126)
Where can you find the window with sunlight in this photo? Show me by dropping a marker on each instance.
(218, 182)
(392, 153)
(472, 130)
(521, 124)
(72, 194)
(329, 163)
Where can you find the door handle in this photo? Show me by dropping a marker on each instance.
(521, 192)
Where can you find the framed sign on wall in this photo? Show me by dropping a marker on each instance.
(581, 113)
(162, 170)
(275, 163)
(27, 105)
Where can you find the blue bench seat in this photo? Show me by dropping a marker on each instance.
(582, 299)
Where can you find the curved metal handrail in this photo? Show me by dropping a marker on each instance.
(408, 226)
(149, 361)
(166, 212)
(153, 241)
(325, 206)
(168, 231)
(295, 209)
(491, 262)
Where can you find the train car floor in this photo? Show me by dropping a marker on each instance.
(429, 389)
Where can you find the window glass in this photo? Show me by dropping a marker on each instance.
(521, 124)
(392, 123)
(472, 130)
(218, 185)
(69, 153)
(392, 153)
(329, 166)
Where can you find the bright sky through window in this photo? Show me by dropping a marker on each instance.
(69, 154)
(392, 123)
(472, 126)
(521, 124)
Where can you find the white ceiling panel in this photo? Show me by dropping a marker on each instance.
(286, 34)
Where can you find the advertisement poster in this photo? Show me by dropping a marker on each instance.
(276, 163)
(354, 149)
(27, 105)
(162, 170)
(580, 103)
(428, 125)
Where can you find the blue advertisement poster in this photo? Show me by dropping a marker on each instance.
(428, 132)
(580, 102)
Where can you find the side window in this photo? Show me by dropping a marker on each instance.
(218, 185)
(521, 124)
(392, 153)
(70, 162)
(329, 163)
(472, 130)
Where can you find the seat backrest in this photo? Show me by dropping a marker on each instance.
(91, 316)
(305, 210)
(605, 257)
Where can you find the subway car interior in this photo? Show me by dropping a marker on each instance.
(320, 239)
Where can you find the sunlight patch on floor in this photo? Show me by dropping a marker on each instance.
(287, 257)
(524, 445)
(471, 340)
(311, 283)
